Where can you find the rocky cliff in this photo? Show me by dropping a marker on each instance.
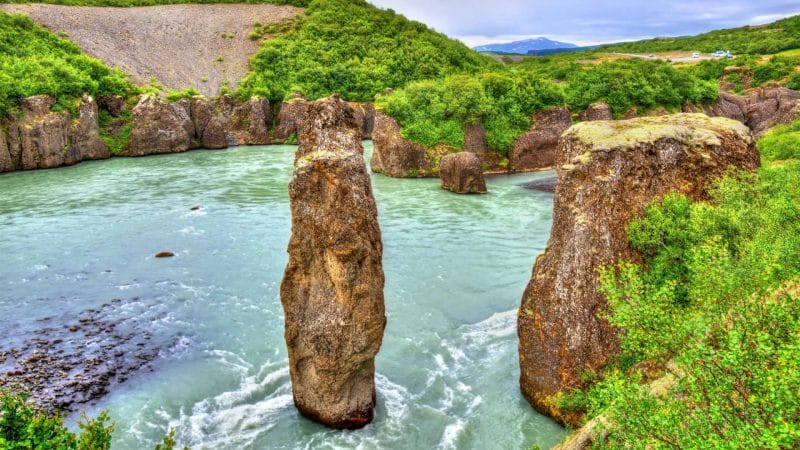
(395, 156)
(291, 115)
(536, 149)
(608, 172)
(760, 110)
(332, 291)
(41, 139)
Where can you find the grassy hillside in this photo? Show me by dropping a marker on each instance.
(352, 48)
(754, 40)
(716, 305)
(34, 61)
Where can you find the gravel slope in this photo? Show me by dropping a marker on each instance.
(198, 46)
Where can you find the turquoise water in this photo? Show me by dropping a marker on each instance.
(77, 237)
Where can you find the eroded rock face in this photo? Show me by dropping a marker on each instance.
(395, 156)
(42, 139)
(290, 117)
(223, 122)
(597, 111)
(610, 172)
(462, 173)
(536, 149)
(760, 110)
(160, 127)
(365, 117)
(332, 291)
(84, 134)
(475, 139)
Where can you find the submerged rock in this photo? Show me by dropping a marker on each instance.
(536, 149)
(165, 255)
(462, 173)
(610, 171)
(332, 290)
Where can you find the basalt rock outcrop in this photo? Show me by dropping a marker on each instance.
(160, 127)
(292, 113)
(224, 122)
(395, 156)
(332, 291)
(760, 110)
(609, 171)
(41, 139)
(536, 149)
(596, 111)
(462, 173)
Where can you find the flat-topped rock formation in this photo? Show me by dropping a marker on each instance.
(608, 172)
(332, 291)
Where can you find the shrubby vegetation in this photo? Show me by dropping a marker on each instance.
(354, 49)
(435, 111)
(34, 61)
(718, 300)
(754, 40)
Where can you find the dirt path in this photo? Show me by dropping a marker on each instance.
(200, 46)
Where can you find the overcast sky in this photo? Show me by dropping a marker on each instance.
(586, 22)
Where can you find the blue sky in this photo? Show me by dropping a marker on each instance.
(584, 22)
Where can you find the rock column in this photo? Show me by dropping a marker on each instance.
(332, 291)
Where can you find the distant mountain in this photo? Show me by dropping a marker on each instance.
(553, 51)
(523, 47)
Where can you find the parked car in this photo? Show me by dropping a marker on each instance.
(722, 54)
(695, 55)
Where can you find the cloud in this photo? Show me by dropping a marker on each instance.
(586, 22)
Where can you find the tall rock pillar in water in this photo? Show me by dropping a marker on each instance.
(332, 291)
(608, 172)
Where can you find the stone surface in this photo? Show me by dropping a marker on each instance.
(6, 164)
(84, 134)
(760, 110)
(160, 127)
(609, 172)
(461, 173)
(394, 155)
(290, 117)
(536, 149)
(332, 291)
(223, 121)
(365, 117)
(475, 139)
(596, 111)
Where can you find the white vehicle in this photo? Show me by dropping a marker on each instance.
(695, 55)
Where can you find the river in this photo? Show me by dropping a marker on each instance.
(77, 238)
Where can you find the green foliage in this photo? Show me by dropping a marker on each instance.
(776, 69)
(174, 96)
(34, 61)
(124, 125)
(718, 298)
(775, 37)
(781, 143)
(625, 84)
(23, 427)
(354, 49)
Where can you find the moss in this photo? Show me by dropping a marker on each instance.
(695, 130)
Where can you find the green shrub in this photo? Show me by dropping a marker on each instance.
(34, 61)
(781, 143)
(174, 96)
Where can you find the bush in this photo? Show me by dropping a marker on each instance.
(781, 143)
(174, 96)
(34, 61)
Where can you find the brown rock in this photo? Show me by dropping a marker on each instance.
(6, 164)
(394, 155)
(290, 117)
(597, 111)
(160, 127)
(768, 107)
(84, 134)
(536, 149)
(612, 171)
(332, 291)
(365, 117)
(330, 126)
(250, 122)
(475, 139)
(41, 138)
(165, 255)
(112, 103)
(462, 173)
